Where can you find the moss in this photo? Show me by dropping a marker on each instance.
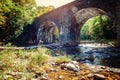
(56, 33)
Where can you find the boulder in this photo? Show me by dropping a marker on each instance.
(43, 78)
(115, 70)
(60, 77)
(71, 66)
(71, 44)
(90, 75)
(99, 77)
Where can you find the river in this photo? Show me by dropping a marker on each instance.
(93, 54)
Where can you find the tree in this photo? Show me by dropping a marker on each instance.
(14, 17)
(42, 9)
(98, 28)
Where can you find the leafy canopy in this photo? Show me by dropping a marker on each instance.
(98, 28)
(43, 10)
(14, 16)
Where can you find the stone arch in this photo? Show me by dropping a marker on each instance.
(80, 17)
(46, 31)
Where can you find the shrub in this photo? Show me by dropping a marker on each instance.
(25, 61)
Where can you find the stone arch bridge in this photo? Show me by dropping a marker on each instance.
(70, 17)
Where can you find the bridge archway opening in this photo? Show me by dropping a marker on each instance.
(82, 16)
(98, 28)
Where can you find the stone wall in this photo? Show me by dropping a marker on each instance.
(117, 13)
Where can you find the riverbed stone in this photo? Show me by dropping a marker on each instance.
(75, 62)
(99, 77)
(115, 70)
(90, 75)
(73, 67)
(70, 44)
(53, 70)
(60, 77)
(43, 78)
(8, 76)
(96, 68)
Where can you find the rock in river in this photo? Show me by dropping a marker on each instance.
(71, 66)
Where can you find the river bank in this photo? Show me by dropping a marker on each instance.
(60, 63)
(85, 72)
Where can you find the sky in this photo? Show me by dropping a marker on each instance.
(55, 3)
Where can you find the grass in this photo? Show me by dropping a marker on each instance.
(24, 64)
(25, 61)
(62, 59)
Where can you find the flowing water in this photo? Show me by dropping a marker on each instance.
(92, 54)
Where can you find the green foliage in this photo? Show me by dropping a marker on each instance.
(62, 59)
(39, 57)
(25, 2)
(98, 28)
(7, 59)
(56, 33)
(2, 74)
(25, 61)
(111, 43)
(14, 17)
(8, 45)
(49, 52)
(42, 9)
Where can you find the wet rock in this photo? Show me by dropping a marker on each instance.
(50, 64)
(43, 78)
(63, 66)
(34, 79)
(90, 75)
(91, 57)
(109, 78)
(105, 73)
(60, 77)
(46, 75)
(74, 62)
(95, 68)
(99, 77)
(70, 44)
(117, 76)
(103, 67)
(53, 63)
(88, 52)
(8, 76)
(36, 76)
(53, 70)
(71, 66)
(115, 70)
(56, 54)
(56, 70)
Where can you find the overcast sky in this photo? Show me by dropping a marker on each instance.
(55, 3)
